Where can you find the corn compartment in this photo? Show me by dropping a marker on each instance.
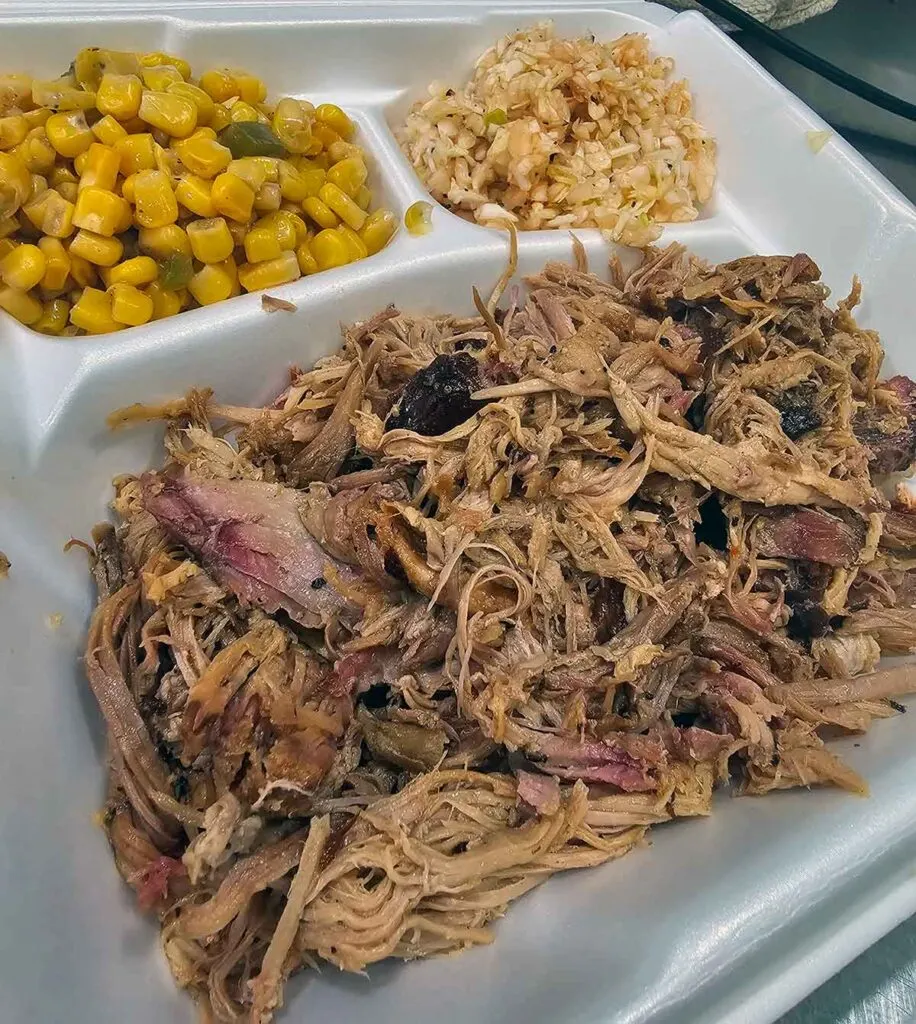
(131, 190)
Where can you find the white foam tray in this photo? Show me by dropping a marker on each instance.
(727, 920)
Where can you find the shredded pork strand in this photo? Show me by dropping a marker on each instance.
(480, 599)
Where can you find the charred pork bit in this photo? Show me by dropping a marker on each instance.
(798, 410)
(250, 536)
(810, 534)
(438, 397)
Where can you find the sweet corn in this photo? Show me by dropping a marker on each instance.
(378, 230)
(202, 156)
(284, 226)
(348, 175)
(130, 306)
(68, 190)
(282, 270)
(320, 213)
(13, 129)
(329, 249)
(23, 268)
(323, 139)
(292, 126)
(38, 117)
(68, 133)
(232, 197)
(250, 89)
(332, 116)
(96, 249)
(251, 170)
(127, 188)
(54, 317)
(293, 185)
(61, 176)
(158, 59)
(210, 240)
(262, 244)
(300, 231)
(15, 184)
(92, 312)
(242, 111)
(160, 243)
(21, 305)
(82, 271)
(418, 218)
(172, 114)
(51, 214)
(307, 262)
(363, 197)
(16, 89)
(213, 282)
(267, 197)
(57, 94)
(338, 150)
(165, 301)
(57, 264)
(100, 168)
(136, 271)
(6, 247)
(355, 245)
(220, 118)
(159, 78)
(219, 85)
(136, 153)
(108, 131)
(238, 230)
(340, 203)
(100, 211)
(204, 104)
(155, 205)
(119, 96)
(36, 152)
(194, 194)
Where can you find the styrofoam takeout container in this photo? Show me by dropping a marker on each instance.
(730, 919)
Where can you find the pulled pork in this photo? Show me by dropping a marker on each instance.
(480, 599)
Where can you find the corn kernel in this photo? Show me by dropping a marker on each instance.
(155, 204)
(19, 304)
(267, 197)
(194, 194)
(157, 59)
(300, 231)
(100, 168)
(219, 85)
(136, 153)
(253, 276)
(320, 213)
(38, 117)
(13, 130)
(338, 151)
(108, 131)
(68, 133)
(250, 89)
(378, 230)
(127, 188)
(323, 138)
(100, 211)
(211, 241)
(54, 317)
(261, 244)
(285, 227)
(96, 249)
(36, 152)
(92, 312)
(6, 247)
(332, 116)
(130, 306)
(307, 262)
(159, 78)
(62, 175)
(292, 126)
(418, 218)
(38, 185)
(205, 105)
(348, 175)
(213, 282)
(16, 89)
(340, 203)
(57, 264)
(251, 170)
(292, 183)
(329, 249)
(242, 111)
(119, 96)
(136, 271)
(165, 301)
(60, 96)
(220, 118)
(24, 267)
(232, 197)
(172, 114)
(68, 190)
(8, 226)
(355, 245)
(82, 271)
(161, 243)
(238, 231)
(363, 197)
(202, 156)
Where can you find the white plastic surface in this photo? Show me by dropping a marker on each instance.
(727, 920)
